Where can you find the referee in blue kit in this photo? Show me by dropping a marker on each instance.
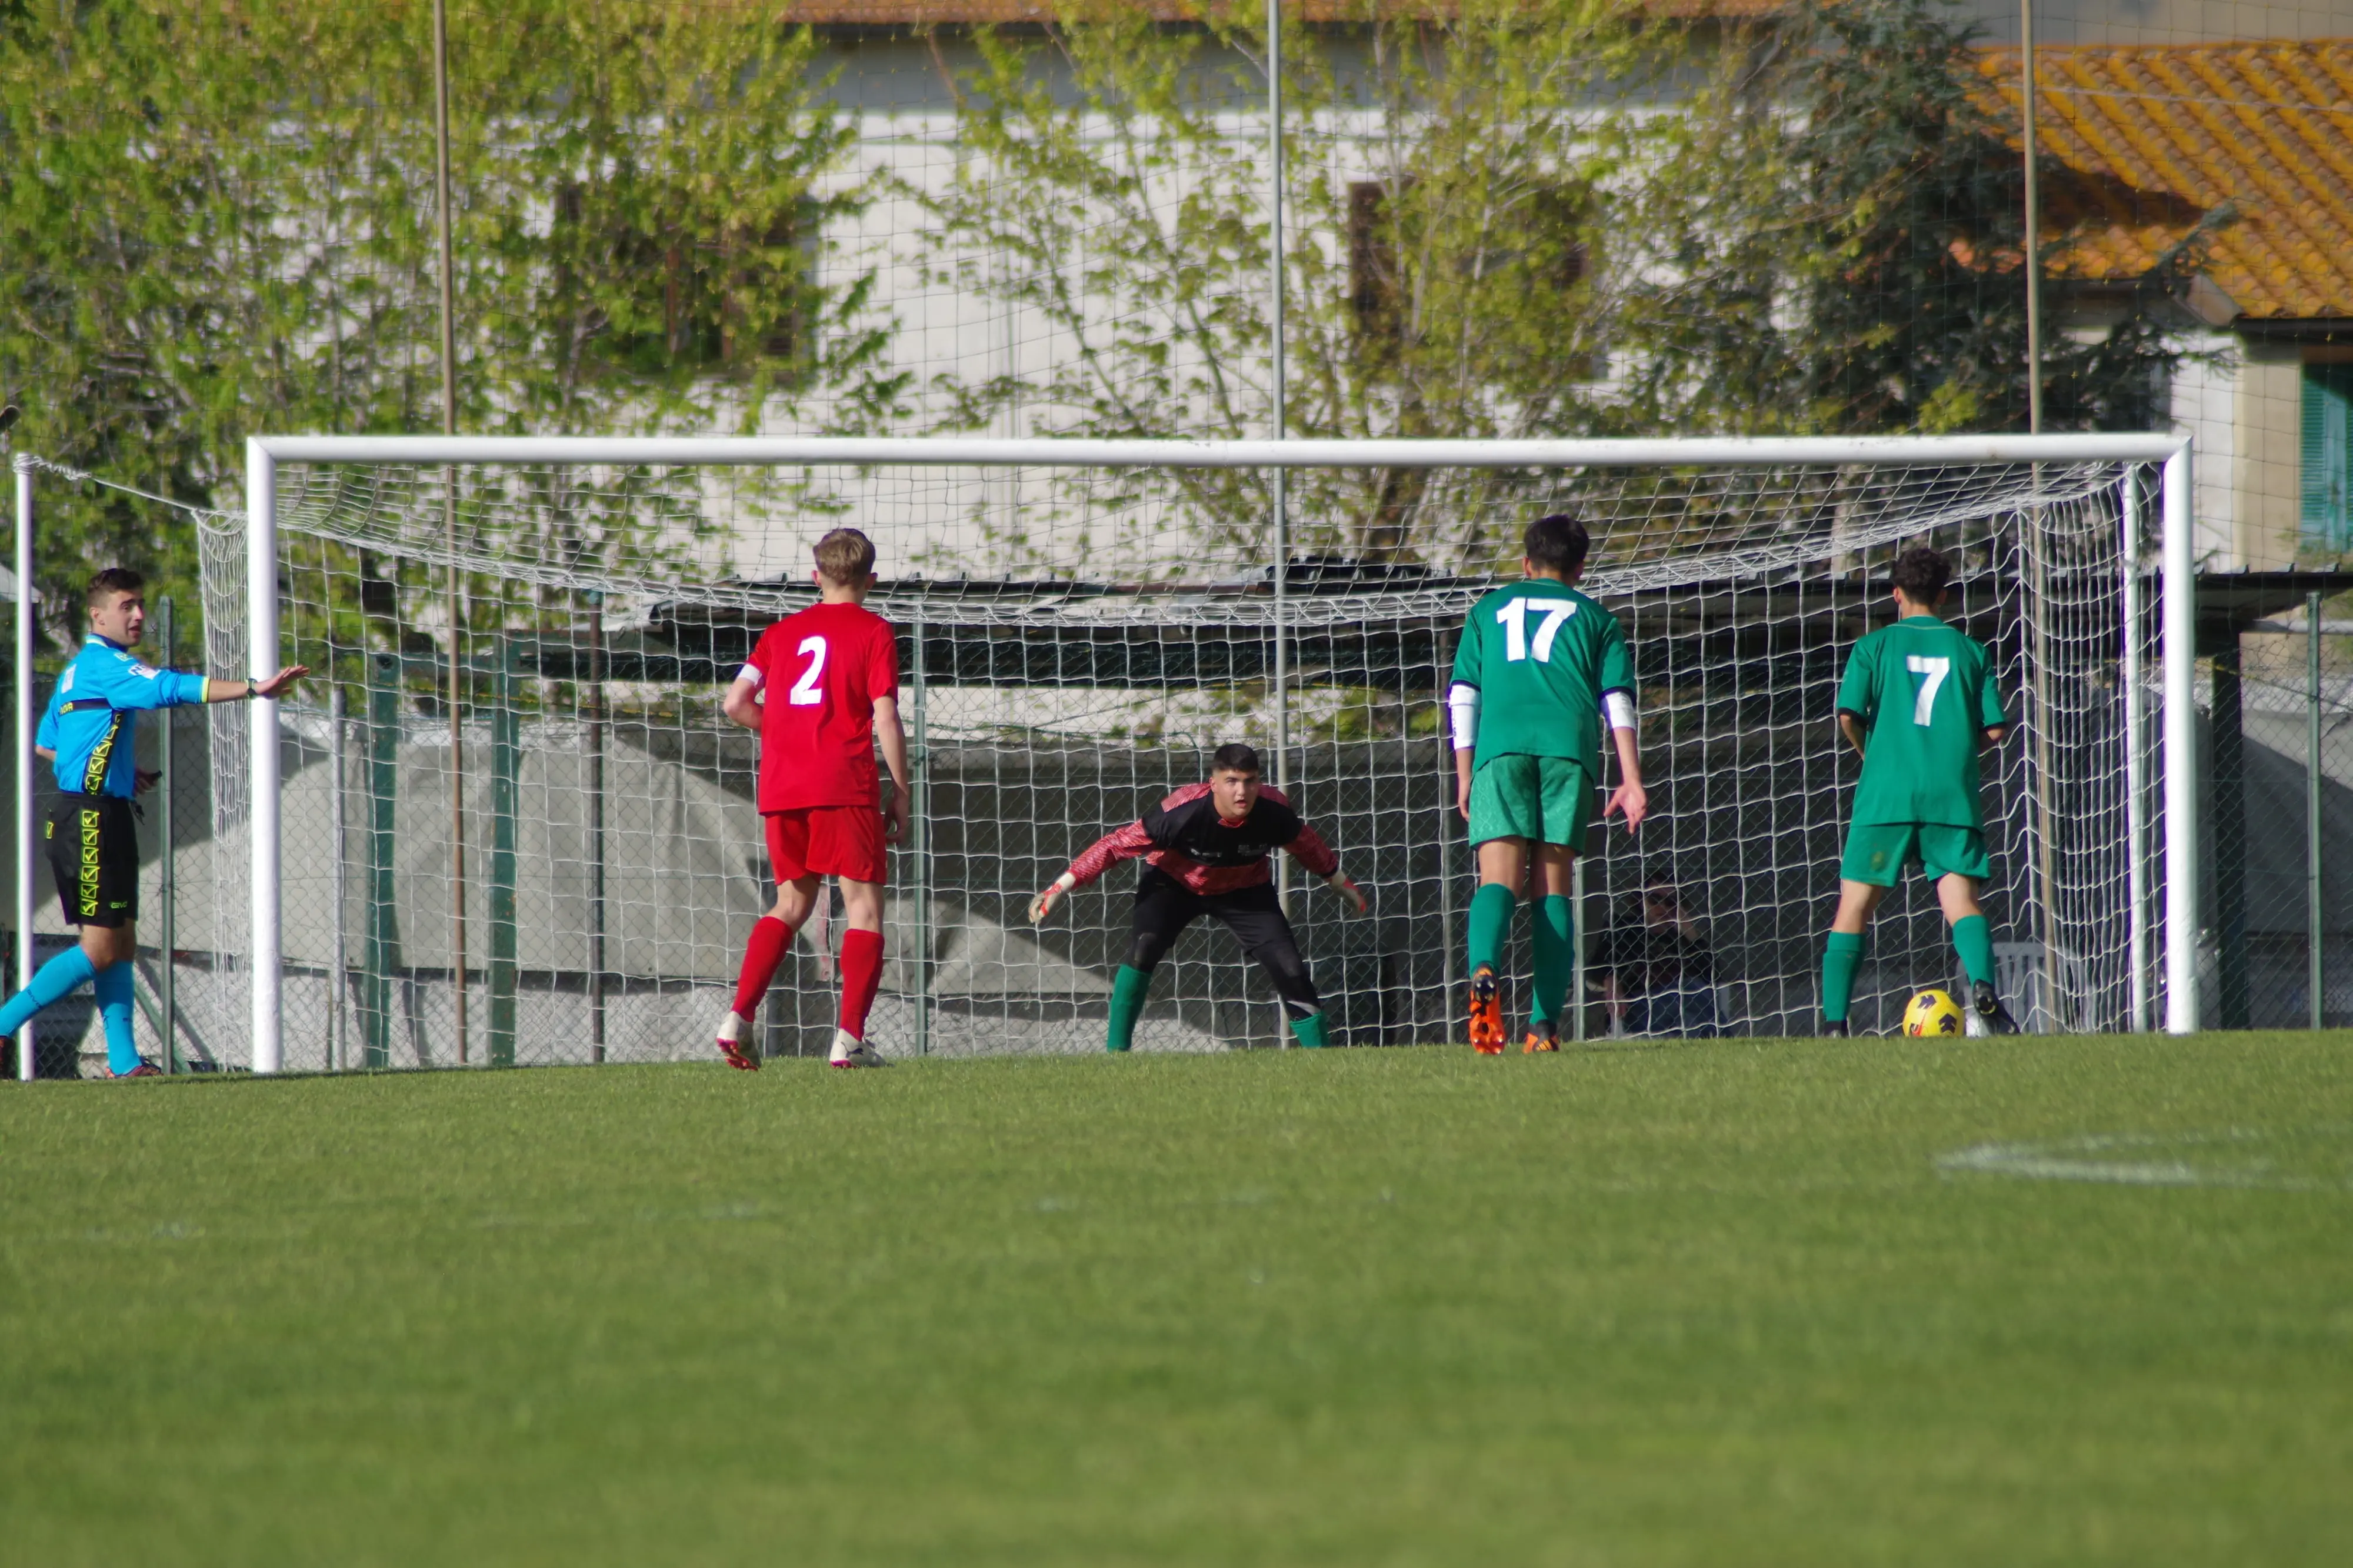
(93, 842)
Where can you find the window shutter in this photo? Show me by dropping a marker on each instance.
(2327, 456)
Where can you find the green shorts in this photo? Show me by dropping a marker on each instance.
(1877, 852)
(1547, 799)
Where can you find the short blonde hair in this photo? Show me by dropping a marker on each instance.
(845, 555)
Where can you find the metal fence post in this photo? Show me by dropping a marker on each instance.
(1450, 825)
(595, 738)
(2230, 813)
(1577, 938)
(919, 829)
(2312, 907)
(339, 974)
(382, 952)
(506, 766)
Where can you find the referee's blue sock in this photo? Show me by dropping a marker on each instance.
(115, 998)
(56, 978)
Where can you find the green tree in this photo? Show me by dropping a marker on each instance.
(1508, 217)
(220, 220)
(1445, 245)
(1851, 257)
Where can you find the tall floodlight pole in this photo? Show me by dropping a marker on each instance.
(449, 523)
(1277, 416)
(2033, 227)
(2040, 673)
(25, 1036)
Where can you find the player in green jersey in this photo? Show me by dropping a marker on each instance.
(1538, 666)
(1916, 703)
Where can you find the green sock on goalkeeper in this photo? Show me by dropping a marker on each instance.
(1127, 991)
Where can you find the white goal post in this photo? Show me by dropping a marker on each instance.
(2166, 456)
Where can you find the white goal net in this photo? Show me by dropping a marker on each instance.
(1076, 636)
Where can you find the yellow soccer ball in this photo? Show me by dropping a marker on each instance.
(1932, 1013)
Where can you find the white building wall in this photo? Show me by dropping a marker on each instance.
(2206, 406)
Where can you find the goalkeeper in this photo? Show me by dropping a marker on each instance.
(1538, 664)
(1205, 851)
(1916, 703)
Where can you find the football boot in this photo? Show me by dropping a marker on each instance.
(1995, 1017)
(1486, 1013)
(849, 1051)
(1542, 1037)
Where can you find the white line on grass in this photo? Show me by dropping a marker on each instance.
(2093, 1158)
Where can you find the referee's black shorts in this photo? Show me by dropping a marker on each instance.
(94, 856)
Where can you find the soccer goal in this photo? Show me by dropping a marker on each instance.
(507, 821)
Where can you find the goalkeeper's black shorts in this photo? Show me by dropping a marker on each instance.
(1164, 907)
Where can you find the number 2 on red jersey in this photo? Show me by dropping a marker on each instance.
(805, 693)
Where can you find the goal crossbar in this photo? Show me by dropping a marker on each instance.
(2170, 454)
(1760, 451)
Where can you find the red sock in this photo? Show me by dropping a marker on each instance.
(861, 976)
(770, 937)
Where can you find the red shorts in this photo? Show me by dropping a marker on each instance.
(827, 841)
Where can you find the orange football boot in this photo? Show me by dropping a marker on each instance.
(1486, 1013)
(1541, 1037)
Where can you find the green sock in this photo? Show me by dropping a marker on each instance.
(1841, 955)
(1555, 945)
(1490, 925)
(1311, 1031)
(1127, 989)
(1973, 940)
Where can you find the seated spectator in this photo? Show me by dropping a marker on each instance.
(1657, 973)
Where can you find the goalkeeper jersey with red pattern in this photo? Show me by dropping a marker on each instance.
(1184, 838)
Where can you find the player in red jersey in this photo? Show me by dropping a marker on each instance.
(819, 687)
(1204, 852)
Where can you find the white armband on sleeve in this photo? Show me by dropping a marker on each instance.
(1619, 706)
(1462, 709)
(750, 672)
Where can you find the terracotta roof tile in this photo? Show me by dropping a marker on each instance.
(2158, 137)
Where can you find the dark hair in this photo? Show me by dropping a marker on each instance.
(1921, 573)
(114, 580)
(1234, 757)
(1558, 542)
(845, 555)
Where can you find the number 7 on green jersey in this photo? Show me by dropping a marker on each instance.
(1923, 692)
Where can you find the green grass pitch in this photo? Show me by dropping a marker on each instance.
(2019, 1302)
